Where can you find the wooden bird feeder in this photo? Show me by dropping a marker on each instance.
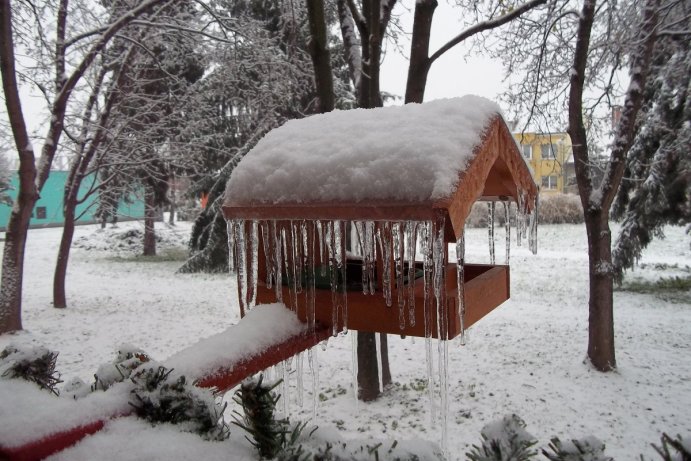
(346, 217)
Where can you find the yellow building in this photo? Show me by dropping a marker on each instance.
(551, 158)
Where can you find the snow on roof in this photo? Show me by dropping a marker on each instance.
(412, 153)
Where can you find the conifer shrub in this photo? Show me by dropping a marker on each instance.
(586, 449)
(258, 402)
(35, 364)
(504, 440)
(670, 449)
(127, 359)
(159, 396)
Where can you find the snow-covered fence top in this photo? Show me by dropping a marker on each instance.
(382, 161)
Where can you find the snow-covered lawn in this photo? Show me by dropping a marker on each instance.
(527, 357)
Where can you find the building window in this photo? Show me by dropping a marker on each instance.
(527, 151)
(549, 182)
(40, 212)
(547, 151)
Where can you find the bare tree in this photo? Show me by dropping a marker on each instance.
(80, 52)
(572, 60)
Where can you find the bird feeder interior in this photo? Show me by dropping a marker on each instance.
(347, 217)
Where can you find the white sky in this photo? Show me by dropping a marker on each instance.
(452, 74)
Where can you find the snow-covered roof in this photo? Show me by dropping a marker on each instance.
(415, 155)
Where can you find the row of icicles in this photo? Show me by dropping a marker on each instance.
(294, 252)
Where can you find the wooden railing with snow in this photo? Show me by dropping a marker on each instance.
(267, 336)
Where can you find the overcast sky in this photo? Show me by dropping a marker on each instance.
(452, 74)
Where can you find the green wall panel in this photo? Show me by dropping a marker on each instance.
(48, 209)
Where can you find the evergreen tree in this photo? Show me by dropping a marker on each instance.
(656, 189)
(258, 82)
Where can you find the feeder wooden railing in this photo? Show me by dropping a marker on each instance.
(485, 288)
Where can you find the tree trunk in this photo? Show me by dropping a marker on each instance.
(149, 219)
(385, 369)
(59, 295)
(18, 225)
(419, 51)
(367, 366)
(321, 58)
(601, 303)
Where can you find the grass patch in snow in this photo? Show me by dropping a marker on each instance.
(675, 289)
(165, 255)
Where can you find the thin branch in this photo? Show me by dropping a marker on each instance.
(486, 25)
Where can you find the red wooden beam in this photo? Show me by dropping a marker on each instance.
(223, 379)
(51, 444)
(226, 378)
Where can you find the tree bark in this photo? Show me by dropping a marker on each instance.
(18, 225)
(149, 219)
(59, 295)
(321, 58)
(601, 349)
(419, 51)
(367, 366)
(385, 369)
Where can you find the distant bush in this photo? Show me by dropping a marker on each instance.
(553, 209)
(561, 209)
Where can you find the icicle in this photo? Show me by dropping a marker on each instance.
(283, 372)
(360, 230)
(286, 237)
(507, 230)
(308, 250)
(430, 380)
(297, 255)
(365, 232)
(490, 228)
(241, 268)
(440, 255)
(277, 260)
(520, 218)
(380, 368)
(372, 250)
(330, 241)
(426, 248)
(253, 270)
(399, 255)
(444, 393)
(320, 238)
(230, 225)
(411, 246)
(354, 366)
(266, 245)
(314, 369)
(342, 264)
(460, 283)
(300, 384)
(384, 237)
(532, 238)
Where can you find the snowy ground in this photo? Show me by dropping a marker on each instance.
(525, 358)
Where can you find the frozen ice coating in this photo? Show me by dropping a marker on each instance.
(412, 153)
